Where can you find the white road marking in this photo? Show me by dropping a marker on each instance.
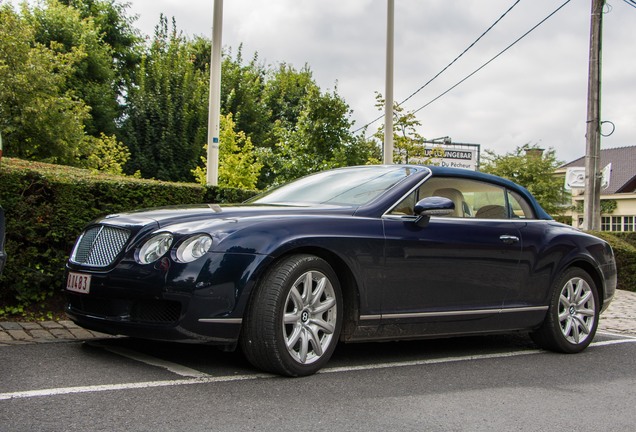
(429, 361)
(126, 386)
(153, 361)
(234, 378)
(622, 335)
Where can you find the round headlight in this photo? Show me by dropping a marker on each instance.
(154, 248)
(193, 248)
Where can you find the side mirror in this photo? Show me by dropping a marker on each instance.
(432, 206)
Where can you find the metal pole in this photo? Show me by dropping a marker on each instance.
(388, 107)
(214, 107)
(592, 204)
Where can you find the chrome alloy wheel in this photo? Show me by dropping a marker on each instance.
(310, 317)
(577, 310)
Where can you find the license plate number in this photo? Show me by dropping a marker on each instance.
(78, 282)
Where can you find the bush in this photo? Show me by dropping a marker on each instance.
(47, 206)
(624, 246)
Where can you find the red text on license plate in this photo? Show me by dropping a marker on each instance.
(78, 282)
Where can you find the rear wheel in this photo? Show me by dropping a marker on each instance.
(572, 318)
(294, 319)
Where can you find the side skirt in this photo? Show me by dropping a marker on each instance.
(444, 324)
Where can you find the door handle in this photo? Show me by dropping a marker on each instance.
(509, 239)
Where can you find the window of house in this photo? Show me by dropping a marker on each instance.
(618, 223)
(605, 223)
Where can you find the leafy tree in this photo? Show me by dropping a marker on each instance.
(39, 116)
(242, 94)
(320, 138)
(293, 126)
(108, 155)
(165, 123)
(362, 151)
(238, 164)
(117, 30)
(532, 168)
(286, 91)
(408, 144)
(94, 76)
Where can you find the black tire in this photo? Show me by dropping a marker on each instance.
(573, 313)
(287, 329)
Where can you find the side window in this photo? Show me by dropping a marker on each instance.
(406, 206)
(519, 207)
(472, 199)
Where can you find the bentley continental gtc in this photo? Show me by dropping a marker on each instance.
(365, 253)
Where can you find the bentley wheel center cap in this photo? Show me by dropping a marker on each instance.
(304, 317)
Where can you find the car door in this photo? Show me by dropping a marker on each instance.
(460, 265)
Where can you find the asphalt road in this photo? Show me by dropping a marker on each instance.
(467, 384)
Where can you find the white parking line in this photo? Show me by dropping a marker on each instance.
(429, 361)
(126, 386)
(622, 335)
(153, 361)
(233, 378)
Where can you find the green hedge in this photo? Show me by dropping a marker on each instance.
(624, 246)
(46, 207)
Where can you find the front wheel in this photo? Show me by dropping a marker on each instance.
(294, 318)
(572, 318)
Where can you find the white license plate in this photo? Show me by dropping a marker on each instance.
(78, 282)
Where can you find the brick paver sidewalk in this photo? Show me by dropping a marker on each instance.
(13, 333)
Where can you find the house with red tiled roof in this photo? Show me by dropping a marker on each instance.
(618, 197)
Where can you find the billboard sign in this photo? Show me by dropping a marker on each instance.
(464, 156)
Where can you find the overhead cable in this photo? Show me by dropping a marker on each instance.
(448, 66)
(493, 58)
(632, 3)
(482, 66)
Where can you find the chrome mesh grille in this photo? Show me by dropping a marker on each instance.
(99, 246)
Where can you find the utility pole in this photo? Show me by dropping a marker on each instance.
(388, 103)
(214, 101)
(592, 197)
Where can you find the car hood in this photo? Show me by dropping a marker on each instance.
(165, 216)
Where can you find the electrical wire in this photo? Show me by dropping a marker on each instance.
(482, 66)
(493, 58)
(448, 66)
(464, 52)
(632, 3)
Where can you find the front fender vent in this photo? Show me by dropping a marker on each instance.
(98, 246)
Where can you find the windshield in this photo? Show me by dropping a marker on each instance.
(347, 186)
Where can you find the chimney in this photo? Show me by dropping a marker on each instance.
(535, 152)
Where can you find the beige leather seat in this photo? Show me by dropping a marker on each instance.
(456, 197)
(492, 212)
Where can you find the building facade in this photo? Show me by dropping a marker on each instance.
(618, 198)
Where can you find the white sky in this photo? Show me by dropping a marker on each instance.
(536, 92)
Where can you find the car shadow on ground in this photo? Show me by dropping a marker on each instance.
(211, 360)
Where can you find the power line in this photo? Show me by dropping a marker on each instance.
(493, 58)
(464, 52)
(482, 66)
(632, 3)
(448, 66)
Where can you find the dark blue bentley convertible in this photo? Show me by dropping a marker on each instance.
(353, 254)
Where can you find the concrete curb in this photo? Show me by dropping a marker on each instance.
(620, 317)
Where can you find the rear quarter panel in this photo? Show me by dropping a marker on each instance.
(548, 249)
